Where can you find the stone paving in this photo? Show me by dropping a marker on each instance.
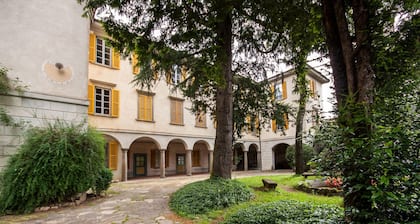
(134, 201)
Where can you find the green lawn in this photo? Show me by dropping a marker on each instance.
(284, 191)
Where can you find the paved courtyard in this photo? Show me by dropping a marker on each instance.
(134, 201)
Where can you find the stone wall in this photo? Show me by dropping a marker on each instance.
(33, 109)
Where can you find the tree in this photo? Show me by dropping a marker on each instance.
(356, 33)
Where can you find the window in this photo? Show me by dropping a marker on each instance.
(280, 91)
(101, 53)
(145, 111)
(200, 120)
(177, 111)
(111, 155)
(196, 158)
(176, 74)
(103, 101)
(155, 158)
(275, 126)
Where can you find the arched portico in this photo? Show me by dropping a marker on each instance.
(201, 157)
(238, 156)
(279, 156)
(143, 158)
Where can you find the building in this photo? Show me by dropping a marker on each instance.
(142, 126)
(46, 50)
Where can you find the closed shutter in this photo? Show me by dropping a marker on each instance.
(284, 89)
(92, 44)
(179, 114)
(113, 155)
(168, 77)
(183, 73)
(91, 94)
(195, 158)
(134, 62)
(148, 108)
(115, 110)
(141, 107)
(273, 92)
(166, 158)
(248, 123)
(286, 121)
(115, 59)
(274, 126)
(312, 88)
(153, 159)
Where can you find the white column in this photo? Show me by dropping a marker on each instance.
(124, 165)
(188, 162)
(162, 163)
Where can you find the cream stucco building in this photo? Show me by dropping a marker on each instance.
(152, 131)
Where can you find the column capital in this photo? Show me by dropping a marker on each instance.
(189, 149)
(125, 150)
(162, 149)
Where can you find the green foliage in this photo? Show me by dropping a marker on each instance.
(211, 194)
(308, 154)
(5, 85)
(287, 211)
(53, 164)
(103, 180)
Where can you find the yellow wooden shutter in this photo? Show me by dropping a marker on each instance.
(115, 59)
(115, 109)
(134, 62)
(183, 73)
(173, 111)
(274, 126)
(273, 92)
(312, 87)
(284, 89)
(248, 123)
(113, 155)
(168, 77)
(148, 108)
(91, 97)
(286, 121)
(92, 44)
(141, 107)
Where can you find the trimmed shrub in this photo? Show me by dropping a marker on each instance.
(53, 164)
(287, 211)
(103, 182)
(211, 194)
(308, 154)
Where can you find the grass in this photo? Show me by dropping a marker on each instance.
(284, 191)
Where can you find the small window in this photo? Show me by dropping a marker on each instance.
(102, 101)
(103, 52)
(177, 112)
(200, 120)
(176, 74)
(278, 91)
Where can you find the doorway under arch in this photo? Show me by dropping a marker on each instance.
(280, 161)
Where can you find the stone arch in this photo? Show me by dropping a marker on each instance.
(176, 156)
(201, 157)
(238, 156)
(143, 157)
(253, 157)
(279, 155)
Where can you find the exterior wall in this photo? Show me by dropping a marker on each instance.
(31, 46)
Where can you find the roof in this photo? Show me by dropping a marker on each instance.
(315, 74)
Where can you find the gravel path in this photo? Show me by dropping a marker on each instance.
(134, 201)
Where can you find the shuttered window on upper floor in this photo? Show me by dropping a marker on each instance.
(101, 53)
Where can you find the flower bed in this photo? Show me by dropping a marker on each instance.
(327, 187)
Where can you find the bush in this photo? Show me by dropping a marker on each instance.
(103, 182)
(52, 165)
(287, 211)
(308, 154)
(211, 194)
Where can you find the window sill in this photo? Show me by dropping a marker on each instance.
(105, 66)
(147, 121)
(197, 126)
(176, 124)
(102, 115)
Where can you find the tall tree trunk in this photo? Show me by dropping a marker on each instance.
(300, 165)
(335, 51)
(223, 153)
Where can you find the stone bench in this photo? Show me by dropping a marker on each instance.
(308, 174)
(269, 184)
